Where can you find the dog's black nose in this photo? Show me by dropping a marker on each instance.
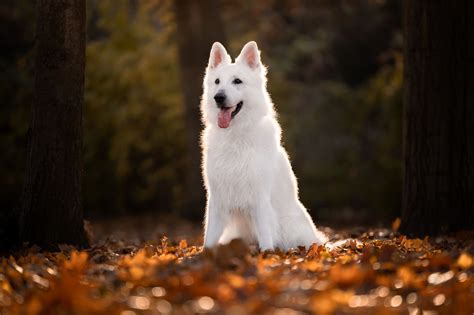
(220, 99)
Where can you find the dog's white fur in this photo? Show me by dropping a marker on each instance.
(252, 192)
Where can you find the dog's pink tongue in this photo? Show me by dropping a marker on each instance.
(224, 117)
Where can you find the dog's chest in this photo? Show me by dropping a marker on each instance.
(233, 166)
(231, 158)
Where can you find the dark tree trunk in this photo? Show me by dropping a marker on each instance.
(198, 25)
(438, 192)
(51, 210)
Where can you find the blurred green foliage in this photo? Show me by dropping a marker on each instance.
(335, 75)
(133, 115)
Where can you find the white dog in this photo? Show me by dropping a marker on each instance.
(252, 192)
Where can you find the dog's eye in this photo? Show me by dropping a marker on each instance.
(237, 81)
(217, 81)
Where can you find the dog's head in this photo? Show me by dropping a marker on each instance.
(234, 93)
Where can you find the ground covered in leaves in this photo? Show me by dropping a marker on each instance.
(361, 271)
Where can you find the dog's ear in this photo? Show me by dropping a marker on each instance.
(250, 55)
(218, 56)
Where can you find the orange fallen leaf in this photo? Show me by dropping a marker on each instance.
(396, 224)
(77, 263)
(465, 261)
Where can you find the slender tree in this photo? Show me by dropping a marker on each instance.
(438, 191)
(51, 211)
(199, 24)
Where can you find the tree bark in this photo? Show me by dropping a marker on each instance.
(51, 211)
(198, 25)
(438, 192)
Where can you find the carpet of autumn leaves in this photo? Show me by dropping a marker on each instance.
(361, 271)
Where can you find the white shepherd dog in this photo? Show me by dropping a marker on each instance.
(252, 192)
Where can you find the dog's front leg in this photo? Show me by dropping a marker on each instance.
(214, 225)
(265, 223)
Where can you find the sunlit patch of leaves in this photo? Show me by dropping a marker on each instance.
(377, 271)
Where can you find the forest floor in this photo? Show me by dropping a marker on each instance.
(137, 267)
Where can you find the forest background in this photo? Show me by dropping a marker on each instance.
(335, 76)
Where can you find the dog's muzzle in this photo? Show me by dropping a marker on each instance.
(227, 113)
(220, 99)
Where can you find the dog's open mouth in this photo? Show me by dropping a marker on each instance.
(226, 114)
